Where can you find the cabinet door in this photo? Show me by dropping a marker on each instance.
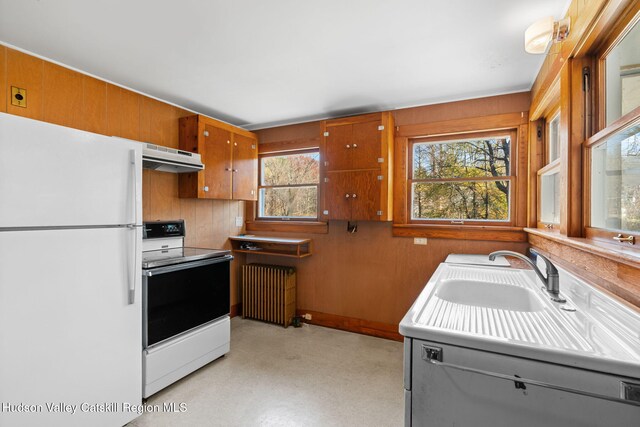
(245, 168)
(217, 160)
(365, 195)
(338, 148)
(366, 141)
(337, 195)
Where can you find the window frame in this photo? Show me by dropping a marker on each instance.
(512, 178)
(259, 208)
(604, 132)
(599, 233)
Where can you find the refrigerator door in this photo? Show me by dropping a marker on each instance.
(52, 175)
(69, 334)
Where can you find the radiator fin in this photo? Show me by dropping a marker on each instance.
(269, 293)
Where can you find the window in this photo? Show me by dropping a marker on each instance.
(462, 179)
(549, 182)
(622, 76)
(289, 185)
(615, 181)
(553, 137)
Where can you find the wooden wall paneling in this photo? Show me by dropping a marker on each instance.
(188, 214)
(62, 93)
(147, 214)
(351, 274)
(3, 79)
(204, 223)
(472, 124)
(25, 71)
(511, 103)
(94, 105)
(123, 113)
(302, 131)
(618, 278)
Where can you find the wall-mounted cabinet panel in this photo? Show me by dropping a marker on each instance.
(357, 153)
(62, 96)
(230, 156)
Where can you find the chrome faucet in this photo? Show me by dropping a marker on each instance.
(551, 282)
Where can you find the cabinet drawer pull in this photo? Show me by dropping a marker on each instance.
(354, 195)
(348, 146)
(355, 145)
(346, 196)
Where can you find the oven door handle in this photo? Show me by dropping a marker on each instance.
(177, 267)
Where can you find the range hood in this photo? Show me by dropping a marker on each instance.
(167, 159)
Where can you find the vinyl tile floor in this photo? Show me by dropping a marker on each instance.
(308, 376)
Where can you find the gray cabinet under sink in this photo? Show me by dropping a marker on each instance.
(439, 395)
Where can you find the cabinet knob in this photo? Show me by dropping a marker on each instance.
(348, 146)
(227, 169)
(228, 142)
(355, 145)
(354, 195)
(235, 143)
(346, 196)
(206, 188)
(206, 133)
(235, 170)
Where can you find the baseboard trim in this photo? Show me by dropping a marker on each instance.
(351, 324)
(236, 310)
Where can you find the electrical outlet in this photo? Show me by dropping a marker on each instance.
(18, 97)
(307, 316)
(420, 241)
(239, 221)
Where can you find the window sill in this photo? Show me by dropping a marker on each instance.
(310, 227)
(629, 255)
(462, 232)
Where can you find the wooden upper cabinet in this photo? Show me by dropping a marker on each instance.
(353, 145)
(230, 156)
(357, 155)
(245, 170)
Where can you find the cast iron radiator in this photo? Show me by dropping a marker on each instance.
(269, 293)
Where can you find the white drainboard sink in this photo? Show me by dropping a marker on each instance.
(488, 295)
(504, 310)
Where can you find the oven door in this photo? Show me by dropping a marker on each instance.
(181, 297)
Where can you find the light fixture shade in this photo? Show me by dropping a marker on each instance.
(538, 35)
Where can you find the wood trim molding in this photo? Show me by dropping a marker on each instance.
(615, 272)
(312, 227)
(351, 324)
(236, 310)
(289, 145)
(466, 232)
(473, 124)
(226, 126)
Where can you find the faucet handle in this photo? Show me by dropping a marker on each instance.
(551, 269)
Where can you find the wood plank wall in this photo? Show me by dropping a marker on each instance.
(367, 281)
(58, 95)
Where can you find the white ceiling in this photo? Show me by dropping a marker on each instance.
(258, 63)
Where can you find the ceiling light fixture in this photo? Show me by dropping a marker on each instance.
(541, 32)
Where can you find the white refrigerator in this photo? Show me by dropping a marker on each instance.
(70, 303)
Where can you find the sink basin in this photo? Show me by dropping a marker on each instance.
(488, 295)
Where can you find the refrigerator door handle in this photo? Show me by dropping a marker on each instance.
(134, 227)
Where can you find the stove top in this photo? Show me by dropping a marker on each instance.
(162, 257)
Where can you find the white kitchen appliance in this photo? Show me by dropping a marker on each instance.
(185, 305)
(165, 159)
(70, 301)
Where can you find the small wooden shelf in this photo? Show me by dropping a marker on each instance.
(275, 246)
